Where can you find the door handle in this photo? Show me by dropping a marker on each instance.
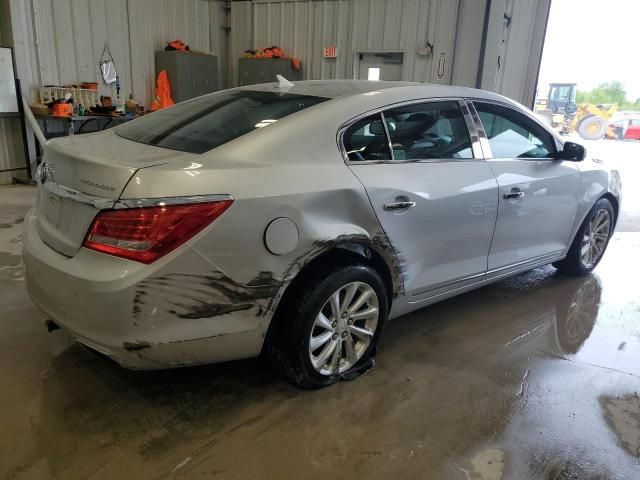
(515, 193)
(402, 205)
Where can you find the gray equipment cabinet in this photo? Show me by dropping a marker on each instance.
(190, 74)
(264, 70)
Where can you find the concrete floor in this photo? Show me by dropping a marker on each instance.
(537, 377)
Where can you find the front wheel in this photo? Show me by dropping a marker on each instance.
(332, 328)
(590, 242)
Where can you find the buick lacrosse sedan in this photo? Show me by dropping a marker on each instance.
(296, 219)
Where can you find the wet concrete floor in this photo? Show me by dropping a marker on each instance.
(536, 377)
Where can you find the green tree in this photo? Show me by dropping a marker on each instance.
(609, 92)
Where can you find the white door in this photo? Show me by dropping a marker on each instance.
(435, 201)
(538, 199)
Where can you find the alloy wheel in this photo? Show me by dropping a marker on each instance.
(595, 238)
(581, 313)
(344, 328)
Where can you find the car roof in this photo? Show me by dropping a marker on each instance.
(342, 88)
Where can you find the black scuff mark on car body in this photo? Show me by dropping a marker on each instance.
(208, 310)
(198, 296)
(378, 242)
(136, 345)
(191, 296)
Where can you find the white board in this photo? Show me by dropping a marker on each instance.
(8, 97)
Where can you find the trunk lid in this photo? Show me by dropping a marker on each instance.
(83, 174)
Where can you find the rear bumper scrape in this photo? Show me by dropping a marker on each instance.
(195, 296)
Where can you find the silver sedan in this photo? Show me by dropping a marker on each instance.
(296, 219)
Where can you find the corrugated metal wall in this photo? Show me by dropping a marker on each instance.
(67, 38)
(11, 150)
(521, 49)
(61, 42)
(303, 28)
(453, 27)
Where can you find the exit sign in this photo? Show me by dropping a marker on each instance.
(330, 52)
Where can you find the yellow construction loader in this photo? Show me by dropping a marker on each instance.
(591, 121)
(559, 109)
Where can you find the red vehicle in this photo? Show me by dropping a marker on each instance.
(633, 131)
(624, 126)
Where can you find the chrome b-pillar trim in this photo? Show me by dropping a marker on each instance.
(473, 130)
(482, 135)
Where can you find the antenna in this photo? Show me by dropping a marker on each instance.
(283, 82)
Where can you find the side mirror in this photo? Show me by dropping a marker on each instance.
(573, 152)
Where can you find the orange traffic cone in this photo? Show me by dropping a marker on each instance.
(162, 97)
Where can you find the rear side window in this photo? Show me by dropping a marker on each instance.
(512, 134)
(428, 131)
(204, 123)
(366, 139)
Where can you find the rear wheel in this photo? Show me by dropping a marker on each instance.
(332, 328)
(590, 242)
(592, 127)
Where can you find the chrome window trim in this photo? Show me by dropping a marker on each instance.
(486, 146)
(380, 110)
(162, 201)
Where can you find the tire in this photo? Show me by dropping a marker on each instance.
(592, 127)
(576, 312)
(290, 344)
(577, 262)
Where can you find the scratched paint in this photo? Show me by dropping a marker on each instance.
(190, 296)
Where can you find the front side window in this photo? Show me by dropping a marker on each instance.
(204, 123)
(433, 130)
(366, 140)
(513, 135)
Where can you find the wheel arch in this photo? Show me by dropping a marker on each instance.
(347, 252)
(616, 208)
(614, 203)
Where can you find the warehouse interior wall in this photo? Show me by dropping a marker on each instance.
(515, 67)
(303, 28)
(61, 42)
(490, 44)
(430, 33)
(11, 147)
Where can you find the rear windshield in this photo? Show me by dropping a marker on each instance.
(204, 123)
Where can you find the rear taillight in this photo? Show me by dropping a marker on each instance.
(146, 234)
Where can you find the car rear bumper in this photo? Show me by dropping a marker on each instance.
(178, 311)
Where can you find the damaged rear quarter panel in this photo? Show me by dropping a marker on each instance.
(230, 277)
(228, 283)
